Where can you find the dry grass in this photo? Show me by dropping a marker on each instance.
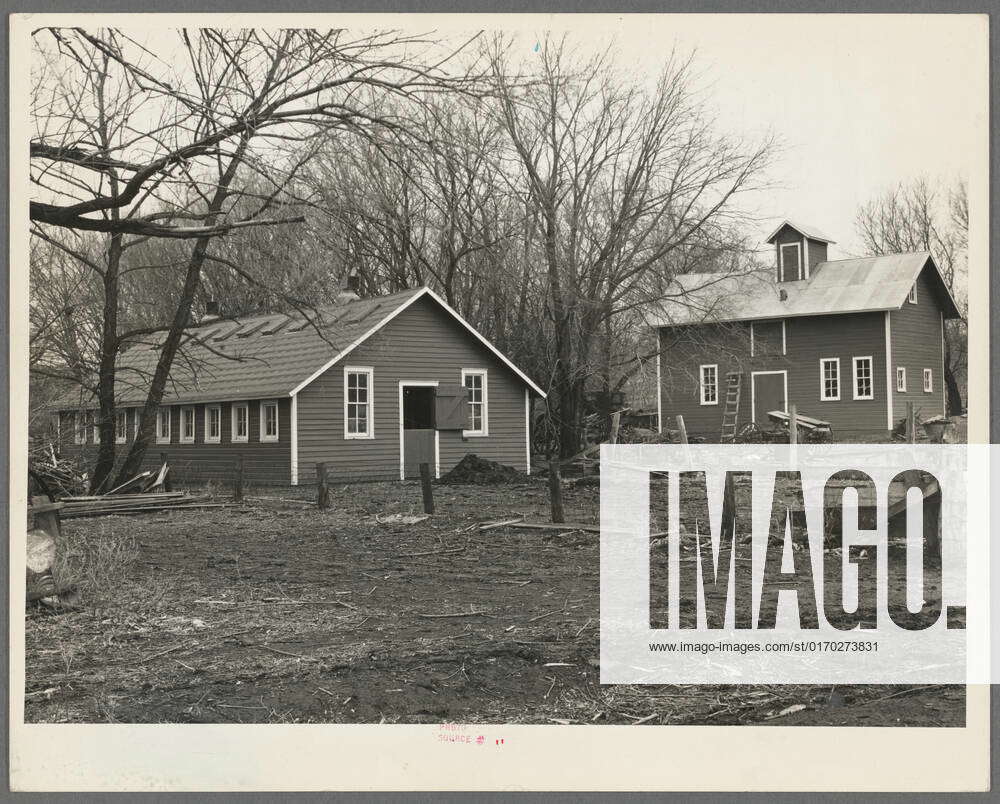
(275, 612)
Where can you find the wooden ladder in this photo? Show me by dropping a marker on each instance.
(734, 380)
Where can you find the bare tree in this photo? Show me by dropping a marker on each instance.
(922, 216)
(620, 180)
(174, 157)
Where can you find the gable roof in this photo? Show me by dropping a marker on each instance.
(860, 285)
(269, 356)
(808, 231)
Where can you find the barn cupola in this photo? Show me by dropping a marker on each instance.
(797, 250)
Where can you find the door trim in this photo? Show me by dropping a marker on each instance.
(437, 433)
(753, 390)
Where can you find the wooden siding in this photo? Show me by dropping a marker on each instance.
(916, 345)
(808, 339)
(786, 236)
(422, 344)
(264, 463)
(817, 254)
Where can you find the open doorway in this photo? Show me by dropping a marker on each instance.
(418, 436)
(418, 407)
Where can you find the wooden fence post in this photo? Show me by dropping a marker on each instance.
(911, 423)
(793, 425)
(683, 433)
(238, 479)
(555, 491)
(166, 477)
(323, 490)
(426, 488)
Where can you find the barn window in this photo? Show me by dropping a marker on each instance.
(829, 373)
(121, 426)
(912, 298)
(790, 262)
(358, 405)
(928, 380)
(213, 424)
(79, 429)
(900, 379)
(187, 426)
(863, 383)
(709, 384)
(240, 412)
(475, 383)
(163, 425)
(269, 421)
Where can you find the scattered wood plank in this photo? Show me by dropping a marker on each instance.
(455, 614)
(135, 481)
(118, 510)
(492, 525)
(561, 526)
(164, 495)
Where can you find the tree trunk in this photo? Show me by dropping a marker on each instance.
(105, 463)
(133, 462)
(182, 316)
(953, 400)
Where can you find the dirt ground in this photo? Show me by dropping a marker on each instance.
(277, 612)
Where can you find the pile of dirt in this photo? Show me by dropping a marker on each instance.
(481, 472)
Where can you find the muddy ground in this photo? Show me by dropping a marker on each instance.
(277, 612)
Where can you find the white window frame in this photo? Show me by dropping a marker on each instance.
(160, 413)
(484, 430)
(183, 436)
(928, 381)
(233, 435)
(823, 396)
(79, 428)
(95, 426)
(781, 260)
(855, 361)
(136, 413)
(121, 439)
(701, 383)
(900, 379)
(209, 439)
(369, 403)
(912, 295)
(264, 404)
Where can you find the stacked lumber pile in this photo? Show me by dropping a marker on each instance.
(106, 504)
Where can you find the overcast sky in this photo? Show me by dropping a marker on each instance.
(860, 102)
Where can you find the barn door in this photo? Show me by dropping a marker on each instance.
(768, 394)
(419, 436)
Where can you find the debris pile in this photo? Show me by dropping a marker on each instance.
(54, 476)
(481, 472)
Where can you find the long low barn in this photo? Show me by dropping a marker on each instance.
(372, 387)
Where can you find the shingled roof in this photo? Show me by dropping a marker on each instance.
(267, 356)
(860, 285)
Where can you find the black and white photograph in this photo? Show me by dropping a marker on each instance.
(326, 326)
